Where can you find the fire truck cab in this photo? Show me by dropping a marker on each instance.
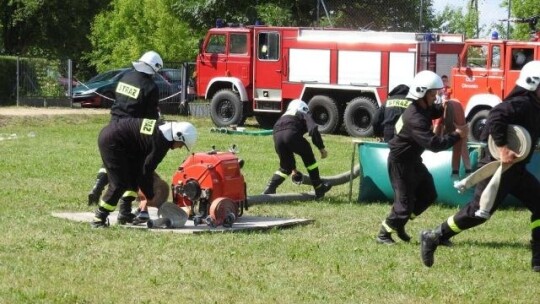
(343, 75)
(486, 73)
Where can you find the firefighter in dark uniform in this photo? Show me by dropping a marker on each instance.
(521, 107)
(131, 150)
(388, 114)
(414, 188)
(137, 96)
(288, 134)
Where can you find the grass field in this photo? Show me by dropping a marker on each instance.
(52, 163)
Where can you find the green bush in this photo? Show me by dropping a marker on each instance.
(8, 80)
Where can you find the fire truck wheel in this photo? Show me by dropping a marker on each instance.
(325, 112)
(358, 117)
(226, 109)
(477, 124)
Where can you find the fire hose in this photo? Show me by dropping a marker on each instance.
(241, 131)
(334, 180)
(519, 141)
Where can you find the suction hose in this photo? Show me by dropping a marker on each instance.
(241, 131)
(335, 180)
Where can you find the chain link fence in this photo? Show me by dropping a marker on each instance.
(38, 82)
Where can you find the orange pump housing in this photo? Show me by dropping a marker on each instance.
(209, 177)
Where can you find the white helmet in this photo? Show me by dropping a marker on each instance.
(422, 82)
(297, 105)
(183, 132)
(149, 63)
(529, 77)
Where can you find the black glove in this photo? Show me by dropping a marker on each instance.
(297, 177)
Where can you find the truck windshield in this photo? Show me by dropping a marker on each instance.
(216, 44)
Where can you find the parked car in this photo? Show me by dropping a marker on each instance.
(99, 90)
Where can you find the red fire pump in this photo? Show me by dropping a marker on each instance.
(210, 188)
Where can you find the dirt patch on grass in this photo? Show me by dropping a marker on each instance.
(30, 111)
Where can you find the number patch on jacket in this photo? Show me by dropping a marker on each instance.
(147, 126)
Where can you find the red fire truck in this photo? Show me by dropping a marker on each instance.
(487, 71)
(343, 75)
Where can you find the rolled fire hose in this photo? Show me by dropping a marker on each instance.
(519, 141)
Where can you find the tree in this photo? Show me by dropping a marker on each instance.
(455, 21)
(132, 27)
(374, 14)
(46, 28)
(523, 9)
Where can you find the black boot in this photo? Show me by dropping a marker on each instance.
(101, 181)
(385, 237)
(124, 211)
(274, 182)
(535, 262)
(100, 219)
(321, 189)
(402, 234)
(429, 240)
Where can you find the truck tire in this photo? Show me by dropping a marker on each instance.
(226, 109)
(358, 116)
(477, 124)
(266, 120)
(325, 112)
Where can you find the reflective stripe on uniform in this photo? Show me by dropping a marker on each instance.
(127, 90)
(147, 126)
(386, 227)
(281, 174)
(130, 193)
(399, 124)
(106, 206)
(535, 224)
(315, 165)
(452, 224)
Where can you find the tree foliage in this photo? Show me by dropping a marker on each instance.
(46, 28)
(373, 15)
(523, 9)
(132, 27)
(456, 21)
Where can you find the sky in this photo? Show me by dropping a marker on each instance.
(490, 10)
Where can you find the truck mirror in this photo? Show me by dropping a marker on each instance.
(201, 42)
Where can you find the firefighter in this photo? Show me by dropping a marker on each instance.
(414, 188)
(389, 113)
(137, 96)
(289, 139)
(521, 107)
(131, 150)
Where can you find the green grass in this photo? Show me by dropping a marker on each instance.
(44, 259)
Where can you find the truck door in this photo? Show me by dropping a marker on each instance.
(239, 63)
(212, 60)
(472, 76)
(269, 71)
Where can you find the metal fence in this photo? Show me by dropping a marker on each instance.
(45, 83)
